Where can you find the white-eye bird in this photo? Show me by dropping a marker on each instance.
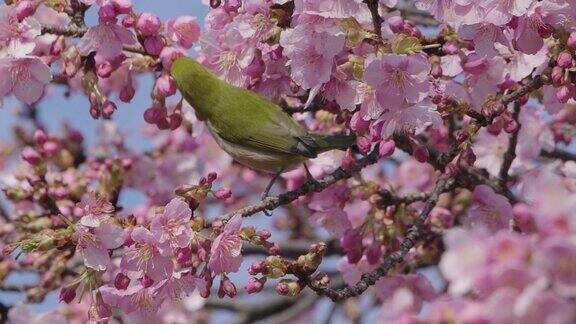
(253, 130)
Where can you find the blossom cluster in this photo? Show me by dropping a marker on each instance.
(456, 204)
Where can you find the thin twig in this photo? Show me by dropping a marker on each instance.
(369, 279)
(510, 153)
(4, 214)
(376, 18)
(292, 249)
(559, 155)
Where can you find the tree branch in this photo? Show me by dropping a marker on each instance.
(292, 249)
(271, 203)
(376, 19)
(4, 214)
(369, 279)
(75, 31)
(559, 155)
(510, 153)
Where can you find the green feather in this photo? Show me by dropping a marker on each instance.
(243, 118)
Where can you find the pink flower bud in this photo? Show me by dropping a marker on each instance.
(374, 253)
(128, 21)
(31, 156)
(223, 193)
(121, 281)
(212, 176)
(168, 55)
(363, 144)
(166, 85)
(564, 60)
(348, 160)
(436, 71)
(40, 137)
(557, 75)
(146, 281)
(264, 235)
(386, 148)
(421, 153)
(522, 213)
(274, 249)
(257, 267)
(175, 120)
(122, 6)
(282, 288)
(67, 294)
(50, 147)
(104, 69)
(108, 108)
(127, 93)
(255, 285)
(358, 124)
(396, 24)
(563, 93)
(154, 45)
(148, 24)
(510, 126)
(572, 40)
(24, 8)
(227, 288)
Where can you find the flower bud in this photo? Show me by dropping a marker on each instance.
(39, 137)
(148, 24)
(24, 8)
(122, 6)
(374, 253)
(146, 281)
(227, 288)
(108, 108)
(396, 24)
(121, 281)
(223, 193)
(557, 75)
(386, 148)
(572, 40)
(255, 285)
(563, 93)
(264, 235)
(288, 287)
(128, 21)
(166, 85)
(436, 71)
(154, 45)
(68, 293)
(31, 156)
(421, 153)
(564, 60)
(256, 267)
(363, 144)
(127, 93)
(510, 126)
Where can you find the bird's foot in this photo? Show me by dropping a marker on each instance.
(266, 192)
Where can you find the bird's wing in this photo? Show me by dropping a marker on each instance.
(260, 124)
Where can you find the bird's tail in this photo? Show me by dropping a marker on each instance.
(332, 142)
